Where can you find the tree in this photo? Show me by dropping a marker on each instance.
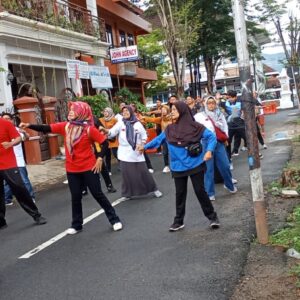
(272, 11)
(216, 39)
(151, 49)
(179, 27)
(215, 36)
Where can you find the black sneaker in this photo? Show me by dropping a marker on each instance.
(40, 220)
(214, 223)
(176, 227)
(111, 189)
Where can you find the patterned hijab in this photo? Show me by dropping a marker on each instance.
(130, 136)
(110, 113)
(76, 127)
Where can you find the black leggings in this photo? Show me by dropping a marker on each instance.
(181, 193)
(14, 180)
(76, 181)
(114, 151)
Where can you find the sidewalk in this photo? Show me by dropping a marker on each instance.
(47, 173)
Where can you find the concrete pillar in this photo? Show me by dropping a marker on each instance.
(28, 110)
(49, 109)
(6, 101)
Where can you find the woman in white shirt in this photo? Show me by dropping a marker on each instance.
(212, 118)
(136, 179)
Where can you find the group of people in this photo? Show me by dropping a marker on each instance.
(195, 138)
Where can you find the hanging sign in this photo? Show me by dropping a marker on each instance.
(77, 69)
(100, 77)
(124, 54)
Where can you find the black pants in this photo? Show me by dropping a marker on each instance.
(114, 151)
(105, 175)
(15, 181)
(238, 134)
(148, 161)
(181, 193)
(259, 136)
(76, 181)
(166, 154)
(158, 132)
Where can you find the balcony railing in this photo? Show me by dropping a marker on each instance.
(59, 13)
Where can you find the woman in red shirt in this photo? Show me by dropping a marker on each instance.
(81, 164)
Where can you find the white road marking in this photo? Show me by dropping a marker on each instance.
(64, 233)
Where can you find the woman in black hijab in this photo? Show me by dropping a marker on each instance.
(187, 159)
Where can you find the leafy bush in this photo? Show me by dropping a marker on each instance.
(289, 237)
(97, 103)
(125, 95)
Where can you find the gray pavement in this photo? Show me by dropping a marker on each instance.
(144, 261)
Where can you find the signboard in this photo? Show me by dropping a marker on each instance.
(77, 69)
(100, 77)
(124, 54)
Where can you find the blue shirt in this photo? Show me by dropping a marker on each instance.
(179, 158)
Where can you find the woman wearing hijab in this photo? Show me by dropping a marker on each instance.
(136, 180)
(81, 164)
(163, 121)
(140, 118)
(213, 118)
(108, 121)
(182, 137)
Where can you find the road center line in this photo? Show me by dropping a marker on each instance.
(64, 233)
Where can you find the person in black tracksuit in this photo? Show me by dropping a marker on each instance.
(101, 150)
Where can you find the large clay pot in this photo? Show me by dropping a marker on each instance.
(49, 111)
(28, 111)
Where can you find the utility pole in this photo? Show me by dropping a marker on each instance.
(250, 122)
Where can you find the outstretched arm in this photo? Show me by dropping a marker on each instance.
(42, 128)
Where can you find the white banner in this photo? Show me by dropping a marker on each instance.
(124, 54)
(77, 69)
(100, 77)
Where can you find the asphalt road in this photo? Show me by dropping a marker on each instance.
(143, 261)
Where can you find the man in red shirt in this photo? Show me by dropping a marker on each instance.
(9, 137)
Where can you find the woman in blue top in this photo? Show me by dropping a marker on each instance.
(183, 132)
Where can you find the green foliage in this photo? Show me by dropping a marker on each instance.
(289, 237)
(2, 69)
(151, 46)
(125, 95)
(97, 103)
(295, 271)
(275, 188)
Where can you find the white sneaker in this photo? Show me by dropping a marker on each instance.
(232, 192)
(265, 146)
(151, 171)
(244, 148)
(166, 169)
(117, 226)
(234, 181)
(212, 198)
(235, 154)
(231, 166)
(158, 194)
(109, 173)
(72, 231)
(66, 182)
